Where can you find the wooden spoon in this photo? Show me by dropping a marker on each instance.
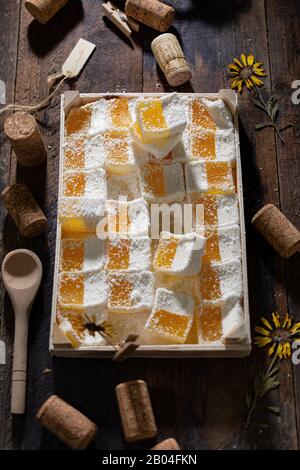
(21, 273)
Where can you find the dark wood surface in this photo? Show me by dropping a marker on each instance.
(197, 401)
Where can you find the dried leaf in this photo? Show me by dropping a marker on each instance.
(270, 103)
(290, 124)
(259, 105)
(263, 125)
(274, 110)
(262, 383)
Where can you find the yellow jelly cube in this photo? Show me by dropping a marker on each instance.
(200, 116)
(210, 322)
(172, 316)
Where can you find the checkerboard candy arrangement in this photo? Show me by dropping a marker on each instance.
(122, 155)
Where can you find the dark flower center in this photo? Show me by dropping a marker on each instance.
(280, 335)
(93, 328)
(246, 73)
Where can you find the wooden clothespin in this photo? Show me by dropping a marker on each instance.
(120, 20)
(126, 348)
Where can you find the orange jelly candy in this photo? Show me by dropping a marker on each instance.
(209, 201)
(74, 184)
(118, 254)
(204, 145)
(74, 156)
(210, 322)
(170, 324)
(212, 249)
(72, 256)
(72, 289)
(219, 175)
(119, 292)
(201, 117)
(154, 180)
(120, 114)
(152, 115)
(210, 283)
(165, 253)
(78, 120)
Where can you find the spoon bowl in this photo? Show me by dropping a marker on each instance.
(21, 273)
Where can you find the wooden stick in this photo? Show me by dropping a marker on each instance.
(119, 19)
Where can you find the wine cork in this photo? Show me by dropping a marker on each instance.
(136, 411)
(155, 14)
(170, 58)
(167, 444)
(277, 230)
(67, 423)
(22, 130)
(44, 10)
(24, 210)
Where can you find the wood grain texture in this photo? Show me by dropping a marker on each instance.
(285, 69)
(9, 26)
(194, 400)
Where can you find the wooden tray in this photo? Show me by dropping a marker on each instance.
(60, 345)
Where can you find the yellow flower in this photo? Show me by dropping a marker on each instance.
(245, 71)
(278, 336)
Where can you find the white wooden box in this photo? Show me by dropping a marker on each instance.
(59, 344)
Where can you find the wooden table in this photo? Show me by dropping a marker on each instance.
(197, 401)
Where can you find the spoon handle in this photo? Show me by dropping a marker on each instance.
(18, 391)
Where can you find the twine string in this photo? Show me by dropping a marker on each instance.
(38, 106)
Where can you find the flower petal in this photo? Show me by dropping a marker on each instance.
(271, 349)
(256, 80)
(287, 350)
(250, 59)
(275, 318)
(279, 351)
(249, 83)
(266, 323)
(239, 63)
(241, 86)
(234, 83)
(258, 64)
(289, 323)
(244, 59)
(261, 341)
(234, 67)
(295, 327)
(262, 331)
(285, 320)
(259, 72)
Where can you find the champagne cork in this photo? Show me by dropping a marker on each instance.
(22, 130)
(155, 14)
(24, 210)
(44, 10)
(67, 423)
(170, 58)
(136, 411)
(277, 230)
(167, 444)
